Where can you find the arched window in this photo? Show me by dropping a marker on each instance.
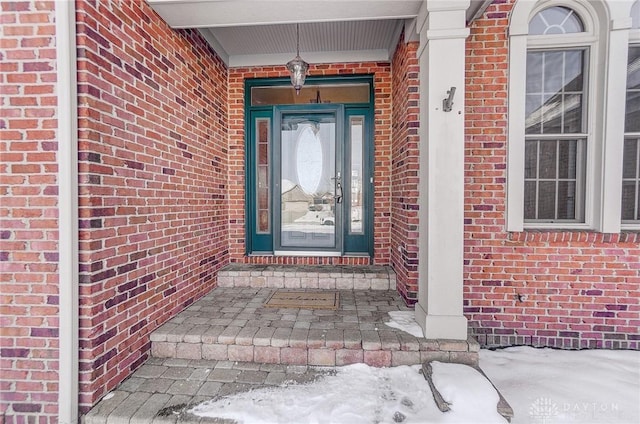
(567, 84)
(556, 117)
(555, 20)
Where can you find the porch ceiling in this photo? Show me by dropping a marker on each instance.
(262, 32)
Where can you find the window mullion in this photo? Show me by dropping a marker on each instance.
(557, 181)
(542, 92)
(537, 178)
(562, 91)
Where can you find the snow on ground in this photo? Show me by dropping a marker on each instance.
(542, 385)
(405, 321)
(554, 386)
(472, 402)
(361, 394)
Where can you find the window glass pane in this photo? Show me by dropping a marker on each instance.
(534, 72)
(531, 159)
(555, 190)
(553, 71)
(263, 199)
(572, 110)
(548, 159)
(308, 180)
(530, 200)
(263, 203)
(263, 220)
(547, 200)
(320, 93)
(633, 67)
(356, 124)
(263, 153)
(555, 20)
(629, 199)
(533, 111)
(632, 115)
(558, 108)
(631, 156)
(566, 200)
(537, 25)
(629, 163)
(567, 152)
(552, 118)
(573, 66)
(631, 180)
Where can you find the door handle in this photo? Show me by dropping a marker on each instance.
(338, 195)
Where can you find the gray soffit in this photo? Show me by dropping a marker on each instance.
(262, 32)
(320, 42)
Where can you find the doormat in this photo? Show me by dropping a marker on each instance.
(303, 299)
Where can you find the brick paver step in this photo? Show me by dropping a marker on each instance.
(341, 277)
(233, 324)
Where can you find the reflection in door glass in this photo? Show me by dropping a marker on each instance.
(263, 202)
(356, 213)
(325, 93)
(308, 154)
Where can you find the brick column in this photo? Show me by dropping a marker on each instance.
(442, 29)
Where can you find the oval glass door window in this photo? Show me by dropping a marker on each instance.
(309, 160)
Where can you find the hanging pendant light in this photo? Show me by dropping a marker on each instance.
(297, 67)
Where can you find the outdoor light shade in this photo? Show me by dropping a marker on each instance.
(298, 69)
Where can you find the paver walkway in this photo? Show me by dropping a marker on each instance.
(228, 342)
(163, 390)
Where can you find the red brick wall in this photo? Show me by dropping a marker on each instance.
(153, 182)
(382, 141)
(28, 214)
(542, 288)
(404, 169)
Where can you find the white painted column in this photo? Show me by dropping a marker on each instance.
(442, 29)
(67, 108)
(613, 147)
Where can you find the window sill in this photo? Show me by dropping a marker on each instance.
(572, 235)
(559, 226)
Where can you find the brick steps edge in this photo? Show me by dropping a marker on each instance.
(319, 353)
(308, 277)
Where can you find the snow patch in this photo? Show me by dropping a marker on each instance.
(560, 386)
(405, 321)
(542, 385)
(475, 401)
(355, 394)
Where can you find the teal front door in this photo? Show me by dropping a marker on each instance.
(310, 180)
(308, 183)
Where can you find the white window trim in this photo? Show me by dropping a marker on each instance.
(606, 92)
(634, 39)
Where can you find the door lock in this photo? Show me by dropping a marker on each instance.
(338, 194)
